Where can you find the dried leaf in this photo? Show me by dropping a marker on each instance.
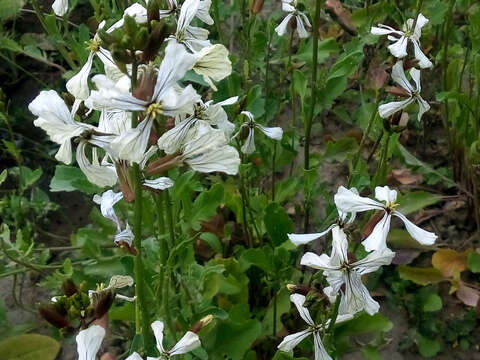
(468, 295)
(421, 276)
(449, 261)
(406, 177)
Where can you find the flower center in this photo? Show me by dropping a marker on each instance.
(391, 206)
(154, 110)
(93, 45)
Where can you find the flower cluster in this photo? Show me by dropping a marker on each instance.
(410, 34)
(343, 274)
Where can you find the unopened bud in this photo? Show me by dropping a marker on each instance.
(69, 288)
(200, 324)
(398, 91)
(257, 6)
(163, 164)
(54, 315)
(299, 289)
(148, 79)
(104, 302)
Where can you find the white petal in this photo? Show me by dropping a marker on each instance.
(302, 32)
(330, 293)
(299, 301)
(423, 60)
(357, 297)
(421, 22)
(281, 29)
(187, 13)
(373, 261)
(157, 327)
(384, 30)
(249, 146)
(89, 342)
(160, 183)
(187, 343)
(275, 133)
(320, 352)
(177, 101)
(97, 174)
(377, 240)
(423, 107)
(172, 140)
(213, 63)
(131, 145)
(322, 262)
(78, 85)
(387, 110)
(422, 236)
(383, 193)
(287, 6)
(107, 201)
(343, 317)
(302, 239)
(60, 7)
(415, 74)
(229, 101)
(399, 47)
(292, 340)
(249, 115)
(347, 201)
(398, 75)
(339, 245)
(203, 12)
(134, 356)
(124, 237)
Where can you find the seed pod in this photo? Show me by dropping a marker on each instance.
(141, 38)
(200, 324)
(130, 26)
(104, 302)
(54, 315)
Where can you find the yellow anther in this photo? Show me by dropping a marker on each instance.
(93, 45)
(154, 110)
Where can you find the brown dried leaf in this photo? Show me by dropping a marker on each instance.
(405, 177)
(468, 295)
(336, 9)
(449, 261)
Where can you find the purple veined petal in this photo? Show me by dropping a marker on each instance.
(322, 262)
(319, 349)
(423, 107)
(373, 261)
(287, 6)
(348, 201)
(422, 236)
(97, 174)
(388, 109)
(249, 146)
(398, 75)
(89, 342)
(281, 29)
(383, 193)
(157, 327)
(292, 340)
(305, 19)
(302, 239)
(187, 13)
(161, 183)
(423, 60)
(357, 297)
(187, 343)
(302, 32)
(377, 240)
(124, 237)
(299, 301)
(399, 47)
(173, 139)
(384, 30)
(78, 84)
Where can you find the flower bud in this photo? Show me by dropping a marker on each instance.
(69, 288)
(154, 42)
(199, 325)
(54, 315)
(257, 6)
(103, 303)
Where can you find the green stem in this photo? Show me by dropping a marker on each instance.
(292, 96)
(166, 303)
(161, 228)
(169, 212)
(309, 119)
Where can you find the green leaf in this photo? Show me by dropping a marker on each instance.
(364, 324)
(259, 257)
(3, 176)
(428, 347)
(338, 150)
(417, 200)
(300, 83)
(213, 241)
(278, 223)
(420, 276)
(69, 178)
(473, 262)
(9, 8)
(431, 302)
(29, 347)
(205, 205)
(371, 352)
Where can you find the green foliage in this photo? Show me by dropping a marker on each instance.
(70, 178)
(29, 347)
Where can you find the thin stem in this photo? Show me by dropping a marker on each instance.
(169, 212)
(274, 313)
(273, 169)
(166, 302)
(292, 95)
(309, 119)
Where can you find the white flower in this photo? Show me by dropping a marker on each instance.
(60, 7)
(137, 11)
(248, 147)
(400, 39)
(107, 201)
(209, 152)
(160, 183)
(292, 340)
(116, 282)
(193, 38)
(290, 6)
(55, 118)
(89, 342)
(213, 64)
(338, 271)
(342, 220)
(398, 75)
(190, 341)
(101, 174)
(78, 84)
(213, 114)
(377, 240)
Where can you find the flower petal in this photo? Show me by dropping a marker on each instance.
(134, 356)
(160, 183)
(373, 261)
(387, 110)
(292, 340)
(377, 240)
(320, 352)
(302, 239)
(60, 7)
(187, 343)
(78, 84)
(322, 262)
(399, 47)
(89, 342)
(422, 236)
(281, 29)
(302, 32)
(383, 193)
(275, 133)
(357, 297)
(347, 201)
(249, 146)
(157, 327)
(423, 107)
(398, 75)
(339, 245)
(423, 61)
(299, 301)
